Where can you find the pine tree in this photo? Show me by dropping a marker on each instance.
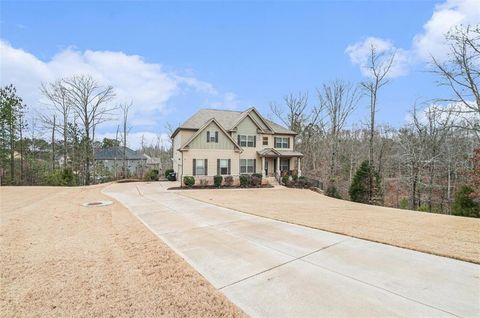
(360, 188)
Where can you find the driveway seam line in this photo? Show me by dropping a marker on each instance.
(375, 286)
(279, 265)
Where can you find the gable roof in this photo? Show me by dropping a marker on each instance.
(199, 131)
(117, 152)
(228, 119)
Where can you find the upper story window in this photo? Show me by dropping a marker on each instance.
(282, 142)
(265, 141)
(212, 136)
(247, 141)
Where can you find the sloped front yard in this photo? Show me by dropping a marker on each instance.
(444, 235)
(58, 259)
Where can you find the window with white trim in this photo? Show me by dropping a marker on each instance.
(265, 141)
(247, 165)
(282, 142)
(212, 136)
(246, 141)
(200, 167)
(223, 164)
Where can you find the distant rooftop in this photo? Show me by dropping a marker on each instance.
(117, 152)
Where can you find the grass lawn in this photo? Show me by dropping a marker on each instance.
(59, 259)
(451, 236)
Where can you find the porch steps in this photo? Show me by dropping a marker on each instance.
(272, 181)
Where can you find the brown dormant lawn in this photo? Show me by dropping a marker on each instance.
(451, 236)
(59, 259)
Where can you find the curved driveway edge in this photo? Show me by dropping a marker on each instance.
(275, 269)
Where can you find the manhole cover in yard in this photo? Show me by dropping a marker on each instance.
(97, 203)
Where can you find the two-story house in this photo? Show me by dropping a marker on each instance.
(223, 142)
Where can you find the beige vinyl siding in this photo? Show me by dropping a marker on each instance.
(200, 142)
(178, 141)
(259, 120)
(211, 155)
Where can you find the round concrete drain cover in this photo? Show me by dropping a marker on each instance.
(97, 203)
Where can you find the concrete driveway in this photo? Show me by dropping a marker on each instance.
(275, 269)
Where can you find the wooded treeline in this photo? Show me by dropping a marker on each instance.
(420, 166)
(56, 145)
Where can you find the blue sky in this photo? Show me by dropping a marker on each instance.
(225, 55)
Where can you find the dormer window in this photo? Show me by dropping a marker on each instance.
(212, 136)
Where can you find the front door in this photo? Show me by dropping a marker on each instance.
(266, 167)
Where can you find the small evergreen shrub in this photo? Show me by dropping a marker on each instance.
(168, 172)
(245, 180)
(152, 175)
(360, 188)
(464, 205)
(189, 181)
(332, 192)
(404, 203)
(295, 177)
(61, 177)
(228, 181)
(217, 181)
(285, 179)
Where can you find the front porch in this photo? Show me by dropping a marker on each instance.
(279, 162)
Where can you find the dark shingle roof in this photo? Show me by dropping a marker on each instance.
(112, 153)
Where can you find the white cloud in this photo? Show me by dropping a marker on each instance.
(228, 100)
(359, 54)
(429, 41)
(145, 84)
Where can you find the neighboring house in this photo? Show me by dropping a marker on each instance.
(222, 142)
(112, 157)
(153, 162)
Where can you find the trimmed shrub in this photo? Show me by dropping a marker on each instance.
(245, 180)
(217, 181)
(152, 175)
(189, 181)
(332, 192)
(464, 205)
(285, 179)
(301, 182)
(290, 183)
(302, 178)
(256, 180)
(295, 177)
(228, 181)
(168, 172)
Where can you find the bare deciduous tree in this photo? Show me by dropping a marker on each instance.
(125, 109)
(461, 74)
(338, 100)
(57, 95)
(379, 66)
(90, 101)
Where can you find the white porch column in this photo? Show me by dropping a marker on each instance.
(299, 169)
(263, 167)
(278, 166)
